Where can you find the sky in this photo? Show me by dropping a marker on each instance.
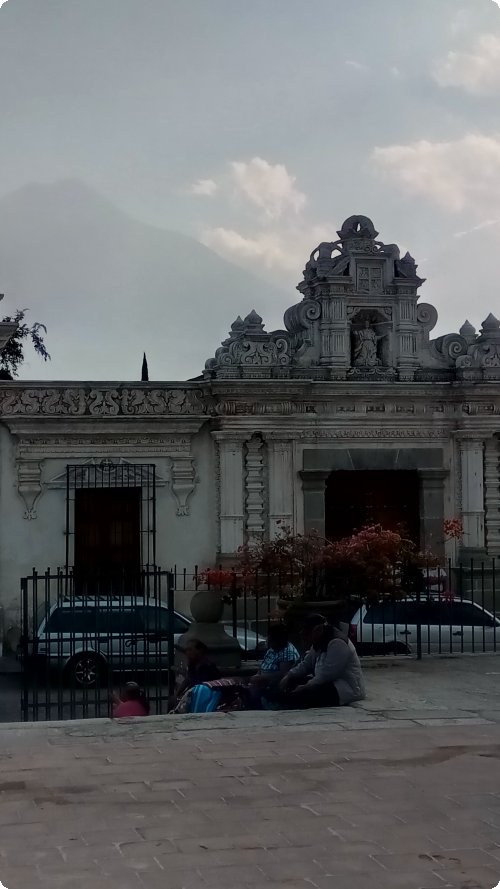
(257, 128)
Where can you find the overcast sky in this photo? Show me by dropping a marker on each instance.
(257, 127)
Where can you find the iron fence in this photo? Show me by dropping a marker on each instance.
(80, 641)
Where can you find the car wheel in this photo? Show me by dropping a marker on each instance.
(396, 648)
(86, 671)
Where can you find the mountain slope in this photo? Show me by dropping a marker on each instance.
(109, 288)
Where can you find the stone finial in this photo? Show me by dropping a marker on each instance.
(468, 331)
(490, 324)
(253, 323)
(357, 227)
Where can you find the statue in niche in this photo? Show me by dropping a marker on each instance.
(366, 342)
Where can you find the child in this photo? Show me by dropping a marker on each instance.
(133, 703)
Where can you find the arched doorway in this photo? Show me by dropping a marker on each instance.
(365, 497)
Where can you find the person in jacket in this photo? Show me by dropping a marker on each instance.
(330, 674)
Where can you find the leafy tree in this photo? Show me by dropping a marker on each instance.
(12, 356)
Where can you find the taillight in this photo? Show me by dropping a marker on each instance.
(353, 633)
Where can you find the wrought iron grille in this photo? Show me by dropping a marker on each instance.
(138, 479)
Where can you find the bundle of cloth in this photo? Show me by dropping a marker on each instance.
(218, 695)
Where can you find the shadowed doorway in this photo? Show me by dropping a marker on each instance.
(358, 497)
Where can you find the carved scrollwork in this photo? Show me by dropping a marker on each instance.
(427, 316)
(79, 402)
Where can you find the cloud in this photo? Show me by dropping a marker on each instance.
(458, 175)
(203, 187)
(267, 186)
(477, 72)
(477, 228)
(280, 250)
(358, 66)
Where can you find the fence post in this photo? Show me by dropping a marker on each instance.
(419, 623)
(171, 633)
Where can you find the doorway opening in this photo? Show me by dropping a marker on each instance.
(110, 523)
(108, 531)
(355, 498)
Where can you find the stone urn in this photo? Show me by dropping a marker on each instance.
(207, 607)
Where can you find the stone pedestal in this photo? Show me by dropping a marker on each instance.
(207, 608)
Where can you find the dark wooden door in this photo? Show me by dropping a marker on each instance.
(358, 498)
(107, 530)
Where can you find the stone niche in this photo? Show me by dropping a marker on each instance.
(320, 464)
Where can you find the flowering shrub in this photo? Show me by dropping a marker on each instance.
(453, 529)
(371, 563)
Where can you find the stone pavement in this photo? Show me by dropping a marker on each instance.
(402, 791)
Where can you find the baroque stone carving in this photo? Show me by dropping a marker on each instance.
(365, 349)
(93, 402)
(248, 349)
(109, 470)
(29, 486)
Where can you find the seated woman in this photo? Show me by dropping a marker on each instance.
(330, 674)
(280, 657)
(199, 668)
(132, 702)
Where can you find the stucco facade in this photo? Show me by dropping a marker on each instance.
(353, 383)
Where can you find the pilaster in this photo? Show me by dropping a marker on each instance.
(472, 463)
(231, 491)
(492, 495)
(280, 486)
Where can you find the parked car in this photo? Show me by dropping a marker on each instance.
(447, 626)
(85, 639)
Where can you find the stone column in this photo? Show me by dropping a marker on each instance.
(313, 485)
(472, 463)
(492, 495)
(281, 484)
(231, 491)
(432, 510)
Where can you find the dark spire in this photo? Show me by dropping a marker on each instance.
(145, 371)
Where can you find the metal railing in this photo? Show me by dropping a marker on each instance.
(82, 640)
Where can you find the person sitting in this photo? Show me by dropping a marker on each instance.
(330, 674)
(280, 657)
(200, 668)
(133, 702)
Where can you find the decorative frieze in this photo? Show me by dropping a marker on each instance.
(101, 402)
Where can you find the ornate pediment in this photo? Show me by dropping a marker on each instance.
(359, 319)
(108, 473)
